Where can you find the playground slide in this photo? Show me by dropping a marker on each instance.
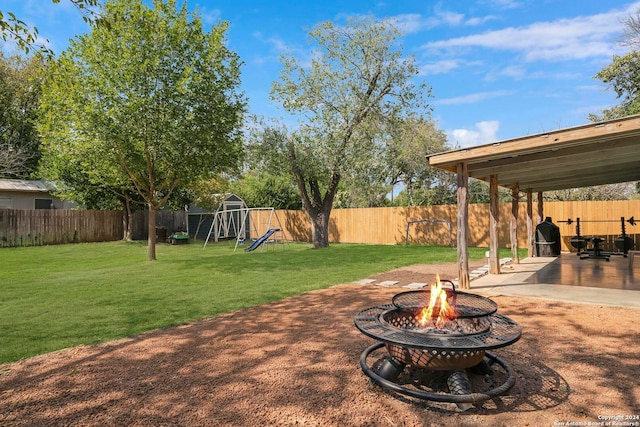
(261, 240)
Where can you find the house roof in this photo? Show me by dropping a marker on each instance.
(582, 156)
(21, 185)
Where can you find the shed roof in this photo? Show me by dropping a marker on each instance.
(22, 185)
(594, 154)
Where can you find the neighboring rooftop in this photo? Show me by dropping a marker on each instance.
(23, 185)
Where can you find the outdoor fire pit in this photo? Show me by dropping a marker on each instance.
(439, 329)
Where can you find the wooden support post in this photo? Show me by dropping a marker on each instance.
(494, 218)
(513, 223)
(463, 226)
(530, 230)
(540, 208)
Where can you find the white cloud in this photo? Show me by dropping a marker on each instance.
(450, 18)
(472, 98)
(412, 23)
(518, 72)
(409, 23)
(475, 21)
(276, 43)
(515, 72)
(47, 9)
(563, 39)
(439, 67)
(275, 48)
(484, 133)
(504, 4)
(591, 88)
(210, 16)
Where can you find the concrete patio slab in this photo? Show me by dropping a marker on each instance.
(566, 278)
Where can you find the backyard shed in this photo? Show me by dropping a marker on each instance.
(224, 223)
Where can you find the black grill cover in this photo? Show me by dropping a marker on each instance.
(547, 238)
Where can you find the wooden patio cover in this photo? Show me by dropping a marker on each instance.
(593, 154)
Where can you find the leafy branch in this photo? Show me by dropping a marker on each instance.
(27, 38)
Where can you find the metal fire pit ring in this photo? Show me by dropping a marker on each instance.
(502, 332)
(441, 397)
(409, 320)
(466, 305)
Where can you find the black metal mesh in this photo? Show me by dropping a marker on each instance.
(436, 359)
(466, 305)
(409, 320)
(502, 331)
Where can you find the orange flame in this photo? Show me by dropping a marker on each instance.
(439, 310)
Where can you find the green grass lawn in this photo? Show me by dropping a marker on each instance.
(53, 297)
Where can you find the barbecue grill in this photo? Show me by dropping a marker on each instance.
(455, 345)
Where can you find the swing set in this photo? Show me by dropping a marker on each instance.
(261, 225)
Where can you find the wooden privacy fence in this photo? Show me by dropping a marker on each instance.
(389, 225)
(366, 225)
(167, 222)
(26, 227)
(600, 219)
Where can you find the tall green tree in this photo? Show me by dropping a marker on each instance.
(20, 81)
(368, 183)
(623, 74)
(621, 191)
(357, 84)
(264, 189)
(412, 141)
(147, 101)
(266, 180)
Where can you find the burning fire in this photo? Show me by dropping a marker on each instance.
(439, 311)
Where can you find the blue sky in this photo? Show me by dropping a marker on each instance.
(499, 69)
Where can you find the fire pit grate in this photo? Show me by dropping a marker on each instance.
(502, 332)
(467, 305)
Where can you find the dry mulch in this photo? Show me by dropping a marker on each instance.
(296, 362)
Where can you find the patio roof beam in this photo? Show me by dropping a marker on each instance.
(579, 181)
(616, 171)
(575, 158)
(614, 130)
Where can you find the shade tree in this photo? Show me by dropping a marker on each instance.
(356, 85)
(20, 80)
(148, 101)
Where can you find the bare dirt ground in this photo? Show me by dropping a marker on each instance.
(296, 362)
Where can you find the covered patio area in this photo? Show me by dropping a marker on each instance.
(583, 156)
(566, 278)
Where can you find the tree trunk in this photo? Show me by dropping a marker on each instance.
(127, 223)
(320, 224)
(151, 242)
(318, 207)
